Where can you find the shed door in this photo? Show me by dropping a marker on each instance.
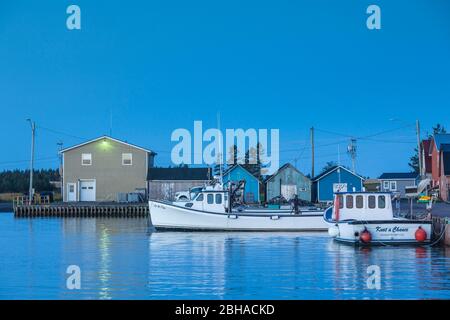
(87, 190)
(71, 192)
(288, 191)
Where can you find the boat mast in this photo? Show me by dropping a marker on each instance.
(220, 154)
(339, 163)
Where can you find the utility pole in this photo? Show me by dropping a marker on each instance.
(60, 147)
(312, 152)
(33, 131)
(419, 149)
(110, 122)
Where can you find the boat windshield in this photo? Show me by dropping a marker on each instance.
(195, 191)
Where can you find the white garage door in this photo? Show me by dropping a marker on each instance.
(87, 190)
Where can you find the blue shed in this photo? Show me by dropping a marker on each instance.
(237, 173)
(335, 179)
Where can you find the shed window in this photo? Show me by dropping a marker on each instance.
(218, 198)
(349, 202)
(200, 197)
(210, 198)
(86, 159)
(359, 202)
(127, 159)
(381, 202)
(372, 202)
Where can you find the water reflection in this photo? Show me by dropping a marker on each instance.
(123, 259)
(289, 265)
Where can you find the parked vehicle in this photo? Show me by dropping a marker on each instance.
(183, 196)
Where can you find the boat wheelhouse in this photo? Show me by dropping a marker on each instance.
(367, 218)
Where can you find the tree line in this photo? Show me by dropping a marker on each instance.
(252, 161)
(17, 181)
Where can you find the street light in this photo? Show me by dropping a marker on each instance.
(33, 129)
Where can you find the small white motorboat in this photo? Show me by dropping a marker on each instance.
(212, 210)
(366, 218)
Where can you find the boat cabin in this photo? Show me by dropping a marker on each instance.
(362, 206)
(210, 199)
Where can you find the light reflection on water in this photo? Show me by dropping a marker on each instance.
(123, 259)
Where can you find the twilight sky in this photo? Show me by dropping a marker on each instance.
(156, 66)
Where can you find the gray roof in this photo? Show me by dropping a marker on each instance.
(108, 138)
(285, 166)
(399, 176)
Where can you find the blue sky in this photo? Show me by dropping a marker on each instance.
(160, 65)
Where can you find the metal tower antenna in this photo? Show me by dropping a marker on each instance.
(351, 150)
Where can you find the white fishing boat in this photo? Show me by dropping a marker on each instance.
(366, 218)
(212, 209)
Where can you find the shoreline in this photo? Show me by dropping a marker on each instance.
(6, 207)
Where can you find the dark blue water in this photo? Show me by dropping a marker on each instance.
(122, 259)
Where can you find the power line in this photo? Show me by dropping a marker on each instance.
(333, 133)
(61, 133)
(25, 161)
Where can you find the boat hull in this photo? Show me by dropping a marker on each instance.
(393, 232)
(165, 216)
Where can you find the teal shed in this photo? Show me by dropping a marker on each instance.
(288, 182)
(237, 173)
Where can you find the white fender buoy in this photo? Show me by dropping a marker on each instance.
(333, 231)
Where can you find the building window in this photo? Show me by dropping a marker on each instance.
(386, 185)
(349, 202)
(359, 202)
(218, 198)
(393, 185)
(372, 202)
(210, 198)
(86, 159)
(127, 159)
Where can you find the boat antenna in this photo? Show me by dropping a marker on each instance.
(339, 164)
(219, 154)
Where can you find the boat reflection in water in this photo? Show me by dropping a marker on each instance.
(290, 266)
(123, 259)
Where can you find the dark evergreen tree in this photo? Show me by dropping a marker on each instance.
(329, 165)
(414, 162)
(17, 181)
(437, 129)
